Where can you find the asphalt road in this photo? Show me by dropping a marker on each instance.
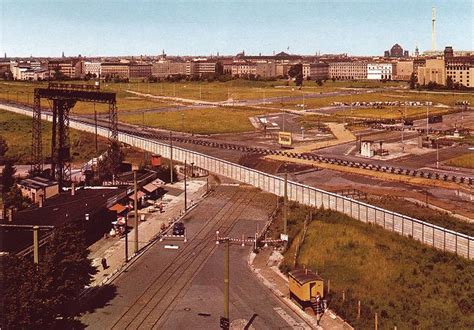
(183, 288)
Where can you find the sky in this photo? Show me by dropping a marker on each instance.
(138, 27)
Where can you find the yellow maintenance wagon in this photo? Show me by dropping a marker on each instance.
(305, 284)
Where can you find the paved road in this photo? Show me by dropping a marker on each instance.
(169, 288)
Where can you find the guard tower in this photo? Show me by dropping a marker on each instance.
(64, 97)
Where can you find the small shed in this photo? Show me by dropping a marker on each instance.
(305, 284)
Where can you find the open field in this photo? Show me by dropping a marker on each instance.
(466, 161)
(406, 283)
(16, 129)
(380, 96)
(22, 92)
(199, 121)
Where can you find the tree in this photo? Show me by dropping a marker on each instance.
(109, 165)
(66, 269)
(8, 177)
(14, 198)
(449, 83)
(412, 80)
(3, 149)
(22, 303)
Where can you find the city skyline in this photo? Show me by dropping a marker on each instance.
(203, 28)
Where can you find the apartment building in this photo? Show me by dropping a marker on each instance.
(92, 68)
(461, 70)
(379, 71)
(244, 69)
(115, 69)
(319, 71)
(348, 70)
(70, 68)
(139, 70)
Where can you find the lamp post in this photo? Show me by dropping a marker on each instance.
(185, 188)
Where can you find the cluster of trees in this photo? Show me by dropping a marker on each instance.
(109, 166)
(37, 296)
(11, 194)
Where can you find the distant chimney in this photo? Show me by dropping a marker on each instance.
(73, 189)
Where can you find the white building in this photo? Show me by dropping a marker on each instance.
(91, 67)
(379, 71)
(306, 70)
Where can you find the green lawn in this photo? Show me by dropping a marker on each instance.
(199, 121)
(408, 284)
(16, 129)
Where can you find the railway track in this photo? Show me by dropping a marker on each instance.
(151, 307)
(153, 135)
(150, 134)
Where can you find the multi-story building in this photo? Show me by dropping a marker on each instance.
(168, 69)
(203, 68)
(91, 68)
(70, 68)
(244, 69)
(402, 70)
(266, 69)
(348, 70)
(319, 71)
(139, 70)
(461, 70)
(433, 71)
(379, 71)
(281, 69)
(115, 69)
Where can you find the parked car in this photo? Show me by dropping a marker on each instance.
(178, 228)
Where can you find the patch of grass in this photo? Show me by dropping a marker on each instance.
(16, 129)
(466, 160)
(391, 112)
(408, 284)
(199, 121)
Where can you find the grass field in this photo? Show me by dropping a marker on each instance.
(391, 112)
(408, 284)
(16, 129)
(199, 121)
(466, 161)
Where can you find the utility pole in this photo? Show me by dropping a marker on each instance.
(95, 125)
(185, 188)
(285, 205)
(171, 157)
(226, 284)
(136, 209)
(427, 120)
(35, 245)
(126, 238)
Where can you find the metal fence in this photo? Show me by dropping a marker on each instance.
(438, 237)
